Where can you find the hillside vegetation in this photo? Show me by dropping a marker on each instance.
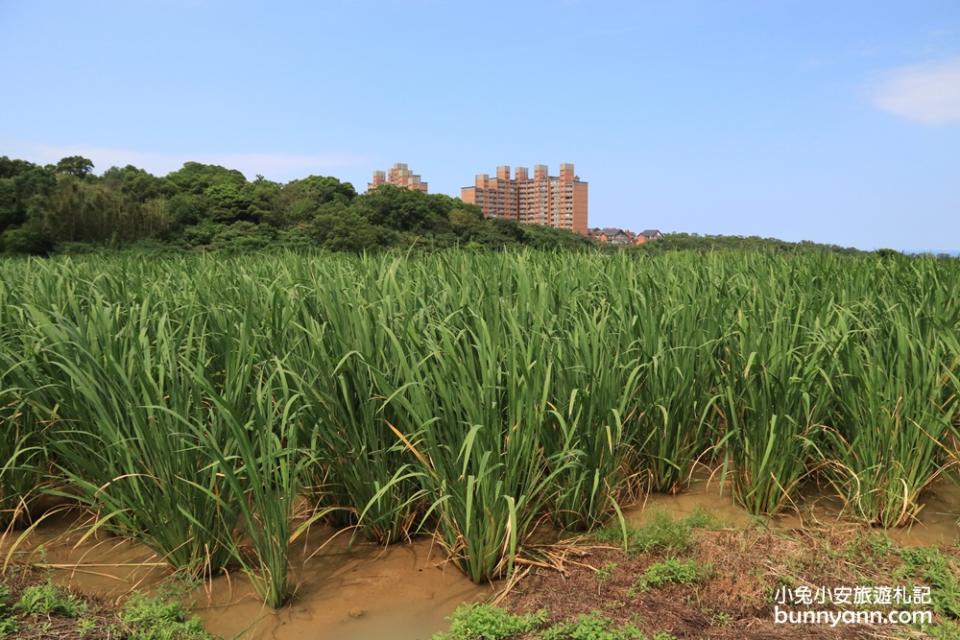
(67, 207)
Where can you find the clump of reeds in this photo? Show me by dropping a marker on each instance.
(897, 411)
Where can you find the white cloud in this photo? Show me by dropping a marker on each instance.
(928, 93)
(278, 166)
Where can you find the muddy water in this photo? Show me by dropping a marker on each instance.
(344, 591)
(361, 591)
(703, 495)
(100, 565)
(403, 592)
(936, 524)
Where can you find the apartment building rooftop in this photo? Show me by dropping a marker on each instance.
(399, 175)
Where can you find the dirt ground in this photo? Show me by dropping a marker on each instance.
(742, 570)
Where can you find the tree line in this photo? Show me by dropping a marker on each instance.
(66, 207)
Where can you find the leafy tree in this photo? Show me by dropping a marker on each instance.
(34, 181)
(405, 209)
(229, 203)
(196, 178)
(341, 228)
(186, 208)
(244, 236)
(201, 234)
(86, 211)
(27, 240)
(11, 213)
(11, 168)
(137, 184)
(498, 232)
(263, 195)
(76, 166)
(542, 237)
(22, 185)
(466, 222)
(301, 200)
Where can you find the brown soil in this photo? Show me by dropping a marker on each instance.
(735, 602)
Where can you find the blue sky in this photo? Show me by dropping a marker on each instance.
(830, 121)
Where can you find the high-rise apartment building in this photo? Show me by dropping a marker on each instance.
(400, 176)
(554, 201)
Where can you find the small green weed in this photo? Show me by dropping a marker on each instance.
(879, 544)
(86, 626)
(700, 518)
(592, 626)
(938, 572)
(662, 533)
(158, 619)
(8, 626)
(720, 618)
(944, 631)
(4, 597)
(489, 622)
(670, 571)
(48, 599)
(870, 551)
(178, 585)
(604, 573)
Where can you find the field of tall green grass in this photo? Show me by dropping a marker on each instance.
(213, 408)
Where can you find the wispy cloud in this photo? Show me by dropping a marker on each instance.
(278, 166)
(927, 93)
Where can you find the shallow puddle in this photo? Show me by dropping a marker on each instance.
(99, 565)
(403, 592)
(936, 524)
